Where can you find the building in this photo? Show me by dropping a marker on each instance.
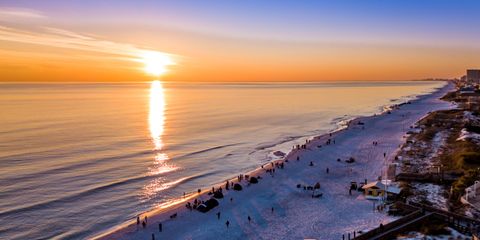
(473, 76)
(376, 190)
(467, 90)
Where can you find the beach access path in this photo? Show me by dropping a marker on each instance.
(296, 214)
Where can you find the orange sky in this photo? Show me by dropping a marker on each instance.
(35, 48)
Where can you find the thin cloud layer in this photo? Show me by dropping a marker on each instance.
(7, 14)
(60, 38)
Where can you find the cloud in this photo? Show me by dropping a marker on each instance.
(16, 13)
(61, 38)
(12, 30)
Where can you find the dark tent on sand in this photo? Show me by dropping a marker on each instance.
(237, 187)
(209, 204)
(218, 194)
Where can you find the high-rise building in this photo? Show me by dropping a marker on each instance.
(473, 76)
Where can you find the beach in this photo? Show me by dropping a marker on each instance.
(112, 158)
(277, 208)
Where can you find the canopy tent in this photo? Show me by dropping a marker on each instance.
(237, 187)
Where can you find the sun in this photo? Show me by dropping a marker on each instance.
(155, 62)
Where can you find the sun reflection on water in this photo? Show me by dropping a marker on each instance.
(156, 117)
(156, 121)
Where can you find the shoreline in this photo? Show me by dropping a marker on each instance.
(163, 211)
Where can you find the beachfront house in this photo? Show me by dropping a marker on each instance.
(467, 90)
(376, 190)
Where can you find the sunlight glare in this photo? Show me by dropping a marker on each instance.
(155, 63)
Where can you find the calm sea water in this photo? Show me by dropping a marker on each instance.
(77, 159)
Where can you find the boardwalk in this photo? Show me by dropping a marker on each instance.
(426, 177)
(421, 215)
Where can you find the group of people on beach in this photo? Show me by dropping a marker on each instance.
(144, 225)
(301, 146)
(230, 184)
(144, 222)
(273, 166)
(195, 204)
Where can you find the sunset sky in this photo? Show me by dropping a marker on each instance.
(237, 40)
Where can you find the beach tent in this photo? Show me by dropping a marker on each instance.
(202, 208)
(237, 187)
(209, 204)
(218, 194)
(253, 180)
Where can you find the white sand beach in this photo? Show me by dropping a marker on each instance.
(296, 215)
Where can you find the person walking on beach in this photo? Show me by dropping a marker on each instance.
(249, 219)
(328, 170)
(272, 209)
(144, 224)
(146, 219)
(153, 236)
(218, 215)
(160, 227)
(227, 223)
(138, 220)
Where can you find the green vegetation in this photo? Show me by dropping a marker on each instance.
(451, 96)
(458, 158)
(434, 227)
(470, 159)
(458, 187)
(461, 155)
(472, 128)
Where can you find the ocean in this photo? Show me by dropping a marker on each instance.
(79, 158)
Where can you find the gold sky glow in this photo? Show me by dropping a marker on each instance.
(37, 51)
